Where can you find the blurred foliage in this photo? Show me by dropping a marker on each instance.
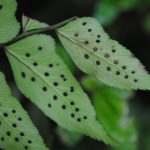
(113, 112)
(147, 23)
(107, 11)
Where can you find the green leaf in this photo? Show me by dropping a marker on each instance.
(17, 131)
(9, 27)
(43, 77)
(97, 55)
(112, 111)
(32, 24)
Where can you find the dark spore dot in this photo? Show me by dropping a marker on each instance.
(14, 125)
(86, 42)
(117, 73)
(76, 34)
(85, 117)
(133, 72)
(46, 74)
(49, 105)
(126, 76)
(29, 141)
(84, 23)
(57, 64)
(89, 30)
(21, 134)
(72, 103)
(44, 89)
(33, 79)
(16, 139)
(63, 106)
(26, 147)
(8, 133)
(95, 49)
(108, 69)
(50, 65)
(55, 97)
(71, 89)
(65, 94)
(2, 138)
(5, 114)
(62, 76)
(77, 109)
(107, 55)
(55, 83)
(72, 115)
(79, 119)
(1, 6)
(23, 74)
(98, 35)
(86, 56)
(65, 79)
(124, 67)
(135, 80)
(40, 48)
(98, 41)
(97, 62)
(113, 50)
(116, 62)
(35, 64)
(13, 111)
(28, 55)
(19, 119)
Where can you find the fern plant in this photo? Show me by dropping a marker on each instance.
(42, 76)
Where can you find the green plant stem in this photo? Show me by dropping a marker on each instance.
(26, 34)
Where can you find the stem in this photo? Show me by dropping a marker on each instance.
(37, 31)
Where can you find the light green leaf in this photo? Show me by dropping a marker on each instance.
(42, 76)
(97, 55)
(17, 131)
(9, 27)
(32, 24)
(112, 111)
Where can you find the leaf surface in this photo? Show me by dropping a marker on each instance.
(32, 24)
(9, 27)
(97, 55)
(17, 132)
(42, 76)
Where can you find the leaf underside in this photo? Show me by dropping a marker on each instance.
(32, 24)
(96, 54)
(17, 132)
(42, 76)
(9, 27)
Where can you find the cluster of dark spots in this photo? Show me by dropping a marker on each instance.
(86, 42)
(86, 56)
(63, 106)
(71, 89)
(35, 64)
(116, 62)
(107, 55)
(76, 34)
(126, 76)
(28, 55)
(95, 49)
(33, 79)
(44, 88)
(98, 62)
(108, 69)
(23, 74)
(1, 6)
(113, 50)
(40, 48)
(117, 73)
(124, 67)
(84, 23)
(55, 97)
(50, 65)
(63, 77)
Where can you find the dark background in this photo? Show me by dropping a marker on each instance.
(128, 28)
